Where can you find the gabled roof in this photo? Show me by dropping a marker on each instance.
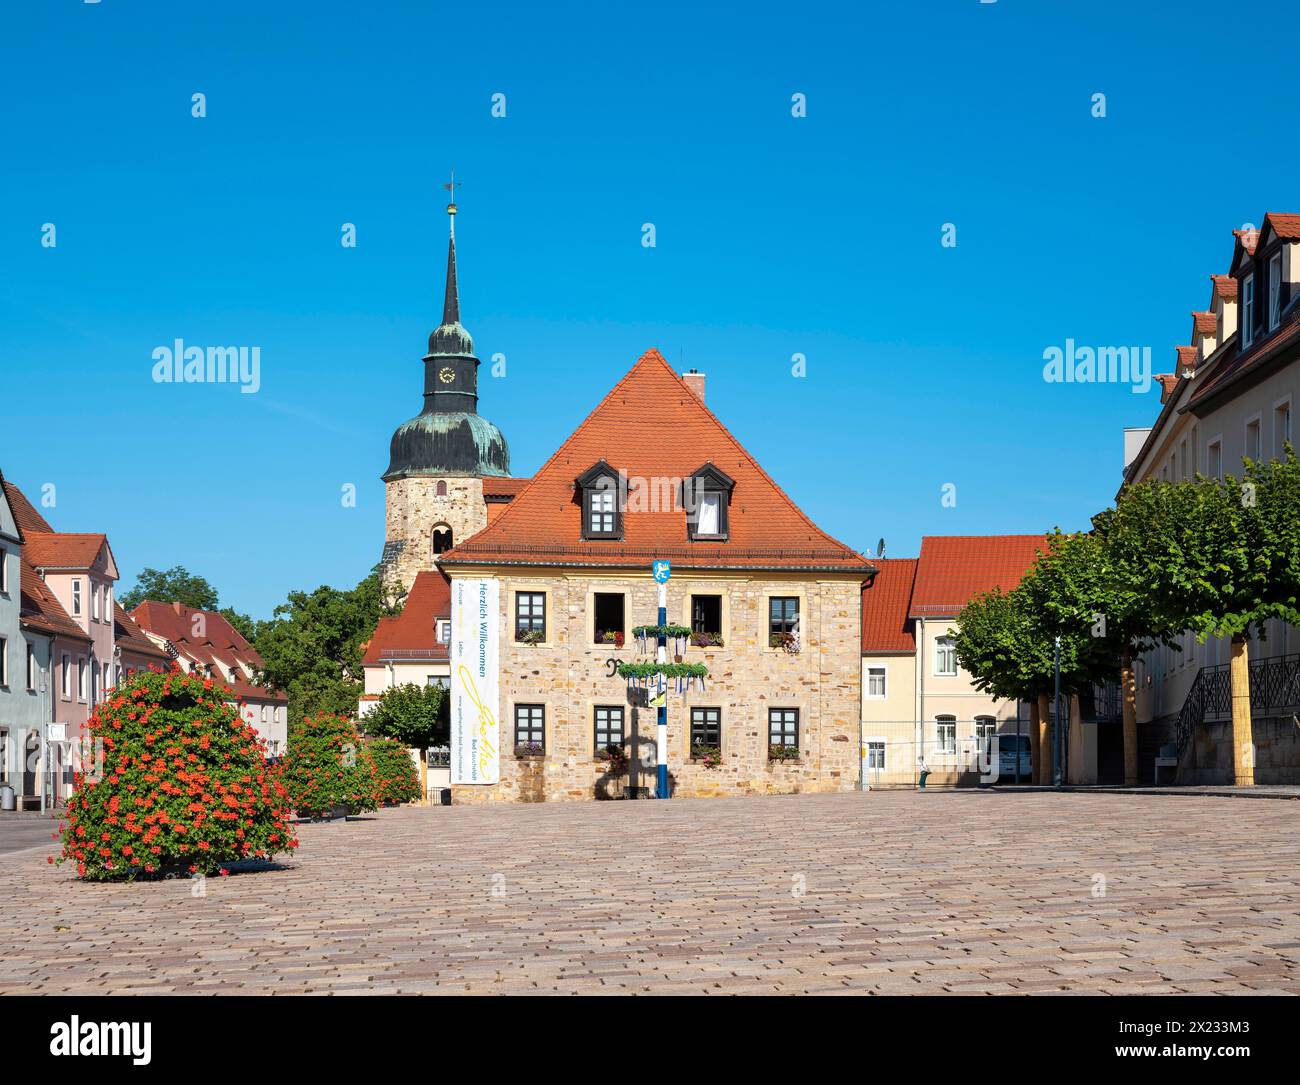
(1205, 323)
(131, 638)
(24, 511)
(220, 644)
(412, 635)
(953, 569)
(653, 427)
(4, 500)
(1286, 226)
(67, 550)
(886, 626)
(1225, 286)
(41, 612)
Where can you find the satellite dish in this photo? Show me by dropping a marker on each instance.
(880, 549)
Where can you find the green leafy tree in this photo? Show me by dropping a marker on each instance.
(174, 585)
(1218, 558)
(246, 626)
(311, 648)
(416, 716)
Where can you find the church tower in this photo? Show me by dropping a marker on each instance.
(439, 459)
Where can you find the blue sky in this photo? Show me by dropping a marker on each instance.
(818, 235)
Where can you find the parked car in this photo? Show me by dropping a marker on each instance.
(1007, 747)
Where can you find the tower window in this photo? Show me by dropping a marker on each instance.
(441, 539)
(442, 488)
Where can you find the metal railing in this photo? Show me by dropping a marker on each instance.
(1274, 689)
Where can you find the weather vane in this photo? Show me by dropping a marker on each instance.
(451, 187)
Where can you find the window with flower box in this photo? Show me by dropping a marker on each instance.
(530, 729)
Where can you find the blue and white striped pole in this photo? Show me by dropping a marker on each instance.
(661, 655)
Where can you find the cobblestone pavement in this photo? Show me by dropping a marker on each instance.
(887, 892)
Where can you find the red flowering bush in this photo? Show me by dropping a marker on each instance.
(396, 773)
(327, 768)
(184, 786)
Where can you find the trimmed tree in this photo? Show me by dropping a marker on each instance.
(328, 769)
(395, 773)
(185, 786)
(416, 716)
(1218, 558)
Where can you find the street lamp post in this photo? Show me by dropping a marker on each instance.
(1057, 746)
(662, 571)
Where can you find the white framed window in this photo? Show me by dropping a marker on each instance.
(76, 598)
(601, 512)
(31, 667)
(1247, 311)
(94, 602)
(1281, 426)
(104, 681)
(1214, 458)
(985, 727)
(874, 752)
(4, 661)
(264, 715)
(1252, 446)
(877, 683)
(108, 602)
(65, 675)
(4, 570)
(946, 733)
(444, 630)
(1274, 291)
(81, 678)
(945, 657)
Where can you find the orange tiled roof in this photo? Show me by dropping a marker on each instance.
(885, 603)
(953, 569)
(62, 550)
(24, 511)
(131, 638)
(652, 426)
(1225, 286)
(1284, 225)
(220, 643)
(1205, 323)
(41, 611)
(413, 634)
(503, 487)
(1187, 357)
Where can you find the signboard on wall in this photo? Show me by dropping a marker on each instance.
(475, 664)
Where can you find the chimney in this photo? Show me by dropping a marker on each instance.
(177, 607)
(695, 382)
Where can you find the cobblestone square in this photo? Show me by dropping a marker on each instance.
(886, 892)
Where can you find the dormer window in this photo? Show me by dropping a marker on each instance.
(602, 507)
(706, 496)
(1247, 310)
(1274, 291)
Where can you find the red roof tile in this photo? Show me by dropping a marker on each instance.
(41, 611)
(885, 604)
(954, 569)
(652, 426)
(219, 643)
(24, 511)
(131, 638)
(503, 488)
(1284, 225)
(1263, 349)
(1205, 323)
(1225, 286)
(412, 635)
(62, 550)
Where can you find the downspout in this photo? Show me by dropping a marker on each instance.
(918, 726)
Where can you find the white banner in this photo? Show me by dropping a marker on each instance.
(475, 662)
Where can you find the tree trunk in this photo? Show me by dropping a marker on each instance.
(1035, 745)
(1074, 763)
(1128, 706)
(1243, 744)
(1044, 741)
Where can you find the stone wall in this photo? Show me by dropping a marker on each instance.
(569, 675)
(413, 509)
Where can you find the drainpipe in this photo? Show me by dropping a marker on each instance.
(919, 726)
